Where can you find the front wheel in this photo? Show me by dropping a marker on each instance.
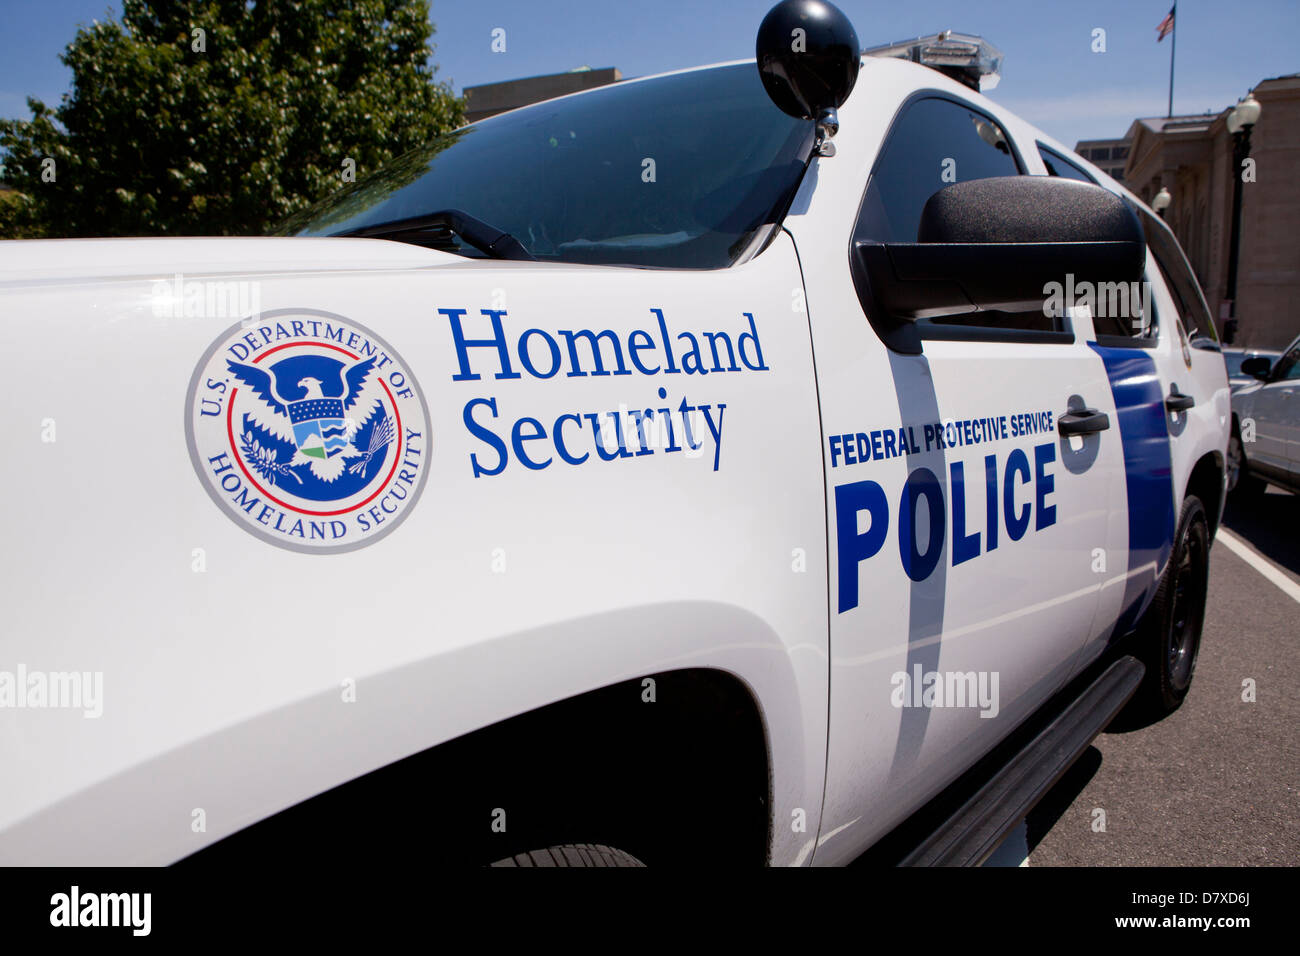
(1169, 635)
(573, 855)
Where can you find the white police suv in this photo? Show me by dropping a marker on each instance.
(708, 467)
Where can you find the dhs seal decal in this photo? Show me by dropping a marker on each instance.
(308, 430)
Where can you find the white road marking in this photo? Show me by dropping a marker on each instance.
(1260, 563)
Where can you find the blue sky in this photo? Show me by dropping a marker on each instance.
(1051, 76)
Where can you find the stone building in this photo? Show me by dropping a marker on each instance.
(1192, 157)
(1108, 155)
(488, 99)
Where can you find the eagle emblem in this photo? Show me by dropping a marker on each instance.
(308, 430)
(317, 414)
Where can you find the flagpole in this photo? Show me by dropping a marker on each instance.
(1173, 49)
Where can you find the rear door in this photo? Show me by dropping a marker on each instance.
(1172, 409)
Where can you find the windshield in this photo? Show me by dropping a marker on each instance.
(676, 172)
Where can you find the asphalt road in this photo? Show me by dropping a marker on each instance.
(1217, 783)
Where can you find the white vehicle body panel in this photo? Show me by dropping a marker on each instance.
(641, 565)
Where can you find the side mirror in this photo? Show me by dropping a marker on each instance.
(808, 58)
(1002, 244)
(1258, 366)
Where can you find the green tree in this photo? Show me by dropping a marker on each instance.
(220, 117)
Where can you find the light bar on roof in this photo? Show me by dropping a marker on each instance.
(965, 58)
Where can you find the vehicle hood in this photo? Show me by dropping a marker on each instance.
(61, 260)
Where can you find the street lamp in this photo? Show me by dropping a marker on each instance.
(1161, 202)
(1244, 115)
(1241, 120)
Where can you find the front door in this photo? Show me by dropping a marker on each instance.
(966, 532)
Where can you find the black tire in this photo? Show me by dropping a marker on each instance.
(1243, 483)
(1169, 634)
(572, 854)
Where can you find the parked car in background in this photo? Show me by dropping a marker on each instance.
(1233, 359)
(1265, 443)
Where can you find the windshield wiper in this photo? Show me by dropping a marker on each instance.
(487, 239)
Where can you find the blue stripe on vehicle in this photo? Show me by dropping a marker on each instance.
(1148, 474)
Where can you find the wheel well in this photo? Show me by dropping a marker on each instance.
(682, 776)
(1206, 482)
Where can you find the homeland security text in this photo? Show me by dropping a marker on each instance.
(609, 435)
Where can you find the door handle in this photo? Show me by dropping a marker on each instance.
(1085, 421)
(1178, 402)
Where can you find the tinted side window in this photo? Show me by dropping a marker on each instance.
(1288, 367)
(1134, 320)
(934, 143)
(1180, 280)
(1058, 165)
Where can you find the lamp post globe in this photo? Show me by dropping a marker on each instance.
(1161, 201)
(1245, 114)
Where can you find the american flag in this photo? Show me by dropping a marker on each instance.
(1166, 25)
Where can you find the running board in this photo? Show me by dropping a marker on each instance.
(971, 834)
